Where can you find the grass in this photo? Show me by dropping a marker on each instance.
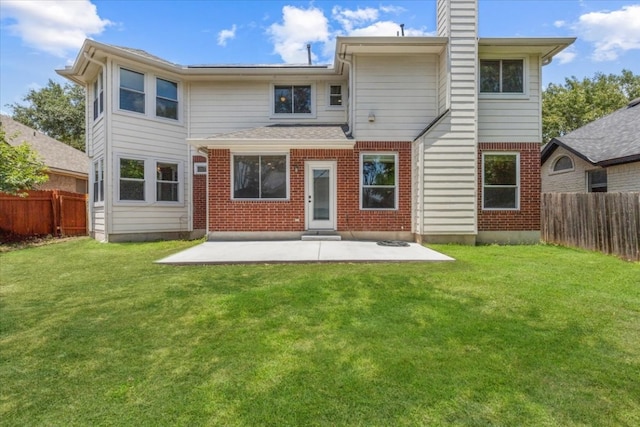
(96, 334)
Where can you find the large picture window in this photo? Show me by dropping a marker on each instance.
(131, 91)
(132, 180)
(502, 76)
(260, 176)
(292, 99)
(166, 99)
(379, 179)
(500, 181)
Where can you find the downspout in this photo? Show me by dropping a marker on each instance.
(344, 60)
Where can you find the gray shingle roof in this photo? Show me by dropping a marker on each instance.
(56, 155)
(613, 139)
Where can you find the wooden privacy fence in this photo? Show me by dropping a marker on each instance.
(605, 222)
(56, 212)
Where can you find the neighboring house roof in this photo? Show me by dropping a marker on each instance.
(611, 140)
(293, 136)
(58, 156)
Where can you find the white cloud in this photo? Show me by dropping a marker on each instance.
(53, 27)
(386, 29)
(299, 27)
(559, 24)
(349, 18)
(566, 56)
(225, 35)
(611, 32)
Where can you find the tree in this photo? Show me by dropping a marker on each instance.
(55, 110)
(576, 103)
(20, 167)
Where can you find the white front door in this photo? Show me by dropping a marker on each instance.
(320, 195)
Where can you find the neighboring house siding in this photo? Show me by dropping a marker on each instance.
(401, 93)
(65, 183)
(228, 106)
(505, 119)
(152, 140)
(624, 177)
(228, 215)
(527, 217)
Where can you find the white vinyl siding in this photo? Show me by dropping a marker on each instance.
(229, 106)
(399, 91)
(513, 119)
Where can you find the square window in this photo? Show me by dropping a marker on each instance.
(260, 176)
(378, 188)
(502, 76)
(292, 99)
(500, 181)
(597, 181)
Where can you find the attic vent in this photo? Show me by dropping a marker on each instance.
(634, 103)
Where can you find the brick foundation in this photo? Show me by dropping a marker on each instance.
(289, 215)
(528, 216)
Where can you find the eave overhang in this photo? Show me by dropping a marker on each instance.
(546, 47)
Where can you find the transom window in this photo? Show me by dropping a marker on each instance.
(98, 97)
(132, 180)
(597, 181)
(131, 91)
(378, 189)
(167, 182)
(563, 163)
(500, 181)
(292, 99)
(260, 176)
(166, 99)
(502, 76)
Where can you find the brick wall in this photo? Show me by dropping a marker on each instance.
(235, 215)
(528, 216)
(199, 197)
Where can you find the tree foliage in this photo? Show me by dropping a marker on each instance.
(576, 103)
(20, 167)
(55, 110)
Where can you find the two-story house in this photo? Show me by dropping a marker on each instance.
(431, 139)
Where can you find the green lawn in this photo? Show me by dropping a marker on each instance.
(96, 334)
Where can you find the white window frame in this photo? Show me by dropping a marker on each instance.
(150, 181)
(517, 186)
(177, 100)
(280, 116)
(98, 169)
(200, 168)
(145, 92)
(178, 183)
(98, 97)
(552, 166)
(342, 94)
(396, 186)
(260, 154)
(505, 95)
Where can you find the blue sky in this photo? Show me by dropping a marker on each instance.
(36, 37)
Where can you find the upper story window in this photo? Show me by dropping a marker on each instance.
(502, 76)
(597, 181)
(500, 181)
(292, 99)
(98, 97)
(335, 96)
(563, 164)
(131, 91)
(166, 99)
(378, 185)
